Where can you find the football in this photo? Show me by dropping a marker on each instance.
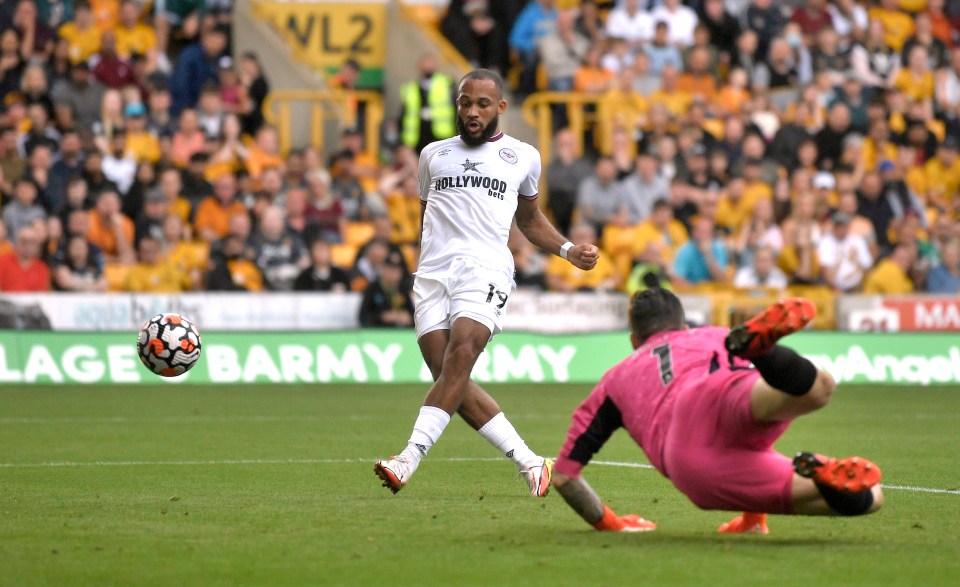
(169, 344)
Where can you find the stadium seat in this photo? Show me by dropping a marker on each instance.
(358, 233)
(343, 255)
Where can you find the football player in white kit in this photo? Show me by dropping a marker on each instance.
(472, 186)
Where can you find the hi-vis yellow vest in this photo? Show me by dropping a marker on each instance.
(441, 109)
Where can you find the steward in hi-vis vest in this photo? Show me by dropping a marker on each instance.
(428, 112)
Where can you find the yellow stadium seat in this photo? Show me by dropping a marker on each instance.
(358, 233)
(343, 255)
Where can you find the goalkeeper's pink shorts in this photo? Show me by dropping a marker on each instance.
(720, 457)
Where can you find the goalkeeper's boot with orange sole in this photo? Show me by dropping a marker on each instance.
(759, 334)
(851, 475)
(748, 522)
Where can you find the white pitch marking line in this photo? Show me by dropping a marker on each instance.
(78, 464)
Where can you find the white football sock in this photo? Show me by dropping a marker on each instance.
(504, 437)
(426, 432)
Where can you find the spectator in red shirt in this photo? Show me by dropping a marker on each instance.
(22, 270)
(110, 69)
(812, 16)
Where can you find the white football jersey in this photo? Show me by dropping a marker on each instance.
(471, 195)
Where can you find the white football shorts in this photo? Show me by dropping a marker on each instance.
(468, 290)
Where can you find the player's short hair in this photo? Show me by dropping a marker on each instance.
(655, 310)
(480, 74)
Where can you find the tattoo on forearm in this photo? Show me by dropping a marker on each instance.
(583, 499)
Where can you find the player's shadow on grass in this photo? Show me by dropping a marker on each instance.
(665, 538)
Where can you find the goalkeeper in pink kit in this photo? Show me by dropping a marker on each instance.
(706, 406)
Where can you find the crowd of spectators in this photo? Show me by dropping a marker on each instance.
(752, 143)
(732, 143)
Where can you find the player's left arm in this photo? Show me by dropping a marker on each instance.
(538, 230)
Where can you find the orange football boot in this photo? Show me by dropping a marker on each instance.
(757, 335)
(748, 522)
(851, 475)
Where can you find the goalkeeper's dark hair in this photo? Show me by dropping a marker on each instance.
(655, 310)
(489, 74)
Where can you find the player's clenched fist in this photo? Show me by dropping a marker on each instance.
(584, 256)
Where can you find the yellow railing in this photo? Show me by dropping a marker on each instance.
(538, 113)
(325, 105)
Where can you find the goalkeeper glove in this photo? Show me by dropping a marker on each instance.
(611, 522)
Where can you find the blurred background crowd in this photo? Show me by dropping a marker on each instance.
(728, 144)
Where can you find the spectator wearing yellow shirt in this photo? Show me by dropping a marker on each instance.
(734, 206)
(753, 172)
(82, 34)
(153, 274)
(212, 219)
(878, 147)
(231, 270)
(891, 275)
(670, 95)
(732, 97)
(171, 185)
(917, 81)
(264, 153)
(109, 229)
(897, 25)
(697, 80)
(620, 107)
(661, 227)
(141, 143)
(563, 276)
(190, 257)
(135, 37)
(230, 153)
(591, 77)
(942, 174)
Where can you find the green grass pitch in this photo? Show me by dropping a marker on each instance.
(274, 486)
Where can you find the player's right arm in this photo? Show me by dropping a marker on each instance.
(594, 421)
(584, 500)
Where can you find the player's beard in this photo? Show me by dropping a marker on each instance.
(485, 134)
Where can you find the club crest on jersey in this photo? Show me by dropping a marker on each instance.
(508, 155)
(469, 165)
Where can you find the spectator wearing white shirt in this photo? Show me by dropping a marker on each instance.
(849, 20)
(119, 165)
(844, 257)
(682, 21)
(763, 272)
(630, 22)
